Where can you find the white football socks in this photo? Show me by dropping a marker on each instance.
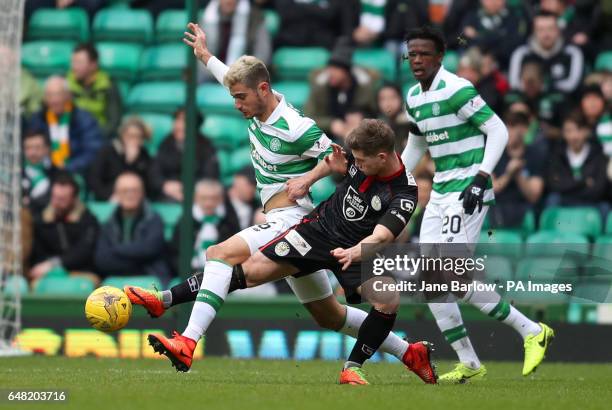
(490, 303)
(448, 318)
(212, 294)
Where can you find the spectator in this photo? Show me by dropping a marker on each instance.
(30, 94)
(598, 116)
(518, 178)
(214, 221)
(391, 110)
(64, 232)
(234, 28)
(401, 16)
(339, 88)
(155, 7)
(74, 133)
(534, 133)
(371, 22)
(166, 171)
(37, 171)
(313, 23)
(132, 241)
(577, 20)
(481, 71)
(242, 196)
(90, 6)
(563, 63)
(495, 28)
(126, 153)
(548, 106)
(577, 169)
(450, 14)
(93, 90)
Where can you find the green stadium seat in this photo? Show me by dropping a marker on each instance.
(603, 62)
(295, 92)
(59, 24)
(215, 99)
(225, 163)
(378, 59)
(142, 281)
(451, 61)
(579, 220)
(123, 25)
(64, 286)
(163, 62)
(225, 132)
(500, 242)
(295, 63)
(159, 97)
(45, 58)
(120, 60)
(170, 26)
(609, 223)
(498, 269)
(272, 22)
(124, 89)
(170, 215)
(592, 292)
(101, 210)
(241, 158)
(322, 189)
(558, 244)
(160, 125)
(14, 284)
(602, 247)
(600, 264)
(527, 227)
(546, 269)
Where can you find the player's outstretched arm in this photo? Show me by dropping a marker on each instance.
(196, 39)
(381, 235)
(335, 162)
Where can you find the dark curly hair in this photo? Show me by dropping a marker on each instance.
(427, 33)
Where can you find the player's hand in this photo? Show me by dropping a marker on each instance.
(345, 256)
(298, 187)
(474, 193)
(197, 40)
(337, 161)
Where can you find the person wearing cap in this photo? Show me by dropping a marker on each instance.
(340, 88)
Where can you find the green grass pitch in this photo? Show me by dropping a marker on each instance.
(218, 383)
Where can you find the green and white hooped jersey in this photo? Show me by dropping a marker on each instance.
(449, 116)
(285, 146)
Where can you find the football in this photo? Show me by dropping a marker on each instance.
(108, 309)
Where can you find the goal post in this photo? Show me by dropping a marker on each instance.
(11, 21)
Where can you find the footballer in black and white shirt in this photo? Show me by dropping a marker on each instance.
(361, 204)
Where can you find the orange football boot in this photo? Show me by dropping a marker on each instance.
(150, 299)
(418, 359)
(353, 375)
(179, 349)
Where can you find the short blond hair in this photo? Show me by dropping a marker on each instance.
(247, 70)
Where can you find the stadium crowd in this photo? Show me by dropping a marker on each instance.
(544, 66)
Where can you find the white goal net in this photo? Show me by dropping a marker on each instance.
(11, 16)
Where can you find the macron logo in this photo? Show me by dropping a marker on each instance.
(433, 137)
